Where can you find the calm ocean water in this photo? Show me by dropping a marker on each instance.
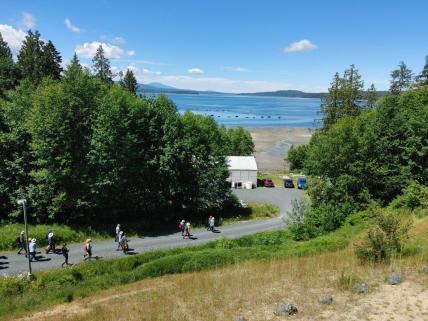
(251, 111)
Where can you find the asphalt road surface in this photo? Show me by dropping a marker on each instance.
(11, 263)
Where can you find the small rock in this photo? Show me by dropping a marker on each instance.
(326, 299)
(424, 269)
(361, 287)
(240, 318)
(394, 279)
(283, 309)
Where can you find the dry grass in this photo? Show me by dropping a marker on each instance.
(254, 288)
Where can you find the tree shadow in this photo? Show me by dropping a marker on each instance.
(4, 263)
(4, 267)
(3, 257)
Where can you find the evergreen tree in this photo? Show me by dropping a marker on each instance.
(30, 57)
(371, 96)
(422, 78)
(9, 71)
(331, 103)
(4, 49)
(129, 82)
(101, 67)
(51, 61)
(401, 79)
(344, 97)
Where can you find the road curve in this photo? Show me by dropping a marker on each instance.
(11, 263)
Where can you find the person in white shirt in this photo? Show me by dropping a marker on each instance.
(32, 247)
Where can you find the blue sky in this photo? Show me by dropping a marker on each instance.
(235, 45)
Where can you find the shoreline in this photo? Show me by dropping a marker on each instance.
(271, 145)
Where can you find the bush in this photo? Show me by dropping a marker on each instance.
(414, 195)
(384, 238)
(296, 156)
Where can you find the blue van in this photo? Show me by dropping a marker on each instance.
(302, 183)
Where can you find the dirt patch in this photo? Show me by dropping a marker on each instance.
(272, 145)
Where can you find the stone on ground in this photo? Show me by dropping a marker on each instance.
(361, 287)
(284, 309)
(326, 299)
(394, 279)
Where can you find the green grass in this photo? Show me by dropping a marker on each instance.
(254, 211)
(57, 286)
(63, 233)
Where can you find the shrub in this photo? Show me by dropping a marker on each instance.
(414, 195)
(384, 238)
(296, 156)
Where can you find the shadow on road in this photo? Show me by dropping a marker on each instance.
(3, 257)
(41, 258)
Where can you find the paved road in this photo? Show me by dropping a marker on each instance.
(11, 263)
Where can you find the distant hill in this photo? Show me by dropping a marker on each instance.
(287, 93)
(156, 88)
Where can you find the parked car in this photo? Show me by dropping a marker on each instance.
(288, 182)
(267, 182)
(302, 183)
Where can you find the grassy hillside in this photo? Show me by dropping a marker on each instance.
(266, 269)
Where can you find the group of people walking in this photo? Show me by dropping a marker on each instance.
(32, 247)
(120, 238)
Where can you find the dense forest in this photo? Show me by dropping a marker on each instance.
(83, 148)
(367, 151)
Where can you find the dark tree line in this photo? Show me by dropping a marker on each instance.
(83, 149)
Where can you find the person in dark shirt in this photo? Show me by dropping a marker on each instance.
(64, 251)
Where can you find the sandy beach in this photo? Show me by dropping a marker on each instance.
(272, 145)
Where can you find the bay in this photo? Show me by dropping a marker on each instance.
(251, 111)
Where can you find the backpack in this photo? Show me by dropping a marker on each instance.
(85, 247)
(180, 226)
(18, 240)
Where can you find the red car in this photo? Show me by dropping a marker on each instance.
(267, 182)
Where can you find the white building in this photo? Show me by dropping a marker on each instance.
(242, 171)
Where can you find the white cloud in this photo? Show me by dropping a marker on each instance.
(71, 27)
(13, 37)
(302, 45)
(131, 53)
(28, 21)
(195, 71)
(88, 50)
(118, 40)
(237, 69)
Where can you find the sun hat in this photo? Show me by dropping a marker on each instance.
(88, 240)
(33, 240)
(22, 232)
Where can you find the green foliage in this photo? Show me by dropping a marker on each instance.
(9, 71)
(414, 195)
(344, 97)
(50, 61)
(374, 155)
(401, 79)
(422, 78)
(30, 57)
(129, 82)
(385, 236)
(240, 142)
(63, 234)
(296, 156)
(101, 67)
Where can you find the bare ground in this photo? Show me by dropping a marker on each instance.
(272, 145)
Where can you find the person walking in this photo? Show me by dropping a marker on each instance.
(32, 248)
(64, 252)
(22, 245)
(209, 223)
(212, 223)
(117, 239)
(187, 230)
(182, 227)
(51, 242)
(124, 243)
(87, 249)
